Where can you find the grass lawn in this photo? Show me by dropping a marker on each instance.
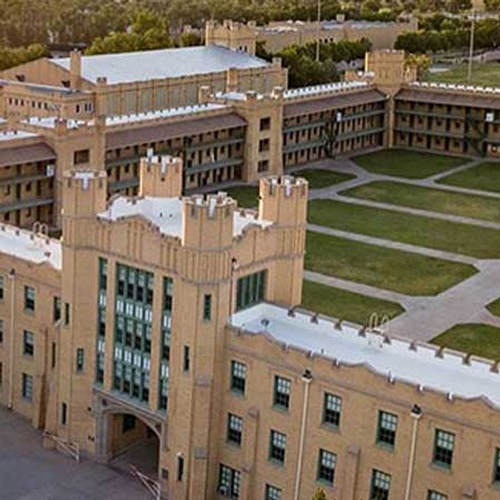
(485, 176)
(246, 196)
(320, 178)
(466, 205)
(423, 231)
(395, 270)
(485, 74)
(345, 305)
(409, 164)
(494, 307)
(473, 338)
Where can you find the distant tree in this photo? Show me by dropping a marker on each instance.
(147, 32)
(10, 57)
(421, 62)
(190, 40)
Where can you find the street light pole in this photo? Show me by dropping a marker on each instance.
(471, 46)
(318, 34)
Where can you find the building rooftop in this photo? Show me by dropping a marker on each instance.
(164, 113)
(160, 64)
(27, 246)
(424, 365)
(166, 214)
(8, 135)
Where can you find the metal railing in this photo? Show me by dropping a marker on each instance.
(150, 484)
(72, 449)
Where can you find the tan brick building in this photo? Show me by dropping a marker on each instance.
(278, 35)
(168, 321)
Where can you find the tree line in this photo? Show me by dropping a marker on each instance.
(305, 70)
(444, 34)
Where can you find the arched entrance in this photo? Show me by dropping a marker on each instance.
(131, 441)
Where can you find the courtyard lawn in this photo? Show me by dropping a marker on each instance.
(465, 205)
(246, 196)
(473, 338)
(484, 74)
(320, 178)
(413, 229)
(409, 164)
(395, 270)
(485, 177)
(494, 307)
(345, 305)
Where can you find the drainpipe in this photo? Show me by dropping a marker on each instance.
(12, 277)
(416, 413)
(306, 379)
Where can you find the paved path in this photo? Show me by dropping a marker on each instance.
(462, 303)
(29, 472)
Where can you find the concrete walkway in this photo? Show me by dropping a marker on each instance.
(30, 472)
(462, 303)
(425, 317)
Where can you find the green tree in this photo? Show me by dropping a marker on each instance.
(319, 495)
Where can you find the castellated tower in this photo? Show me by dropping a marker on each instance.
(84, 195)
(160, 176)
(284, 201)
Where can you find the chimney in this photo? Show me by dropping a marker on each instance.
(75, 70)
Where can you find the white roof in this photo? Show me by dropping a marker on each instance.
(164, 113)
(8, 135)
(159, 64)
(398, 360)
(166, 214)
(26, 245)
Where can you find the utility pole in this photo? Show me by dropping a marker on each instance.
(318, 34)
(471, 46)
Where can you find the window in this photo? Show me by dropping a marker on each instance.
(234, 429)
(66, 313)
(180, 468)
(128, 423)
(27, 389)
(1, 288)
(28, 343)
(80, 356)
(326, 466)
(381, 483)
(277, 447)
(29, 299)
(1, 331)
(444, 443)
(496, 466)
(265, 123)
(238, 377)
(229, 481)
(81, 156)
(250, 290)
(435, 495)
(64, 413)
(56, 309)
(207, 307)
(282, 387)
(264, 145)
(263, 166)
(186, 360)
(332, 408)
(53, 355)
(387, 425)
(272, 493)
